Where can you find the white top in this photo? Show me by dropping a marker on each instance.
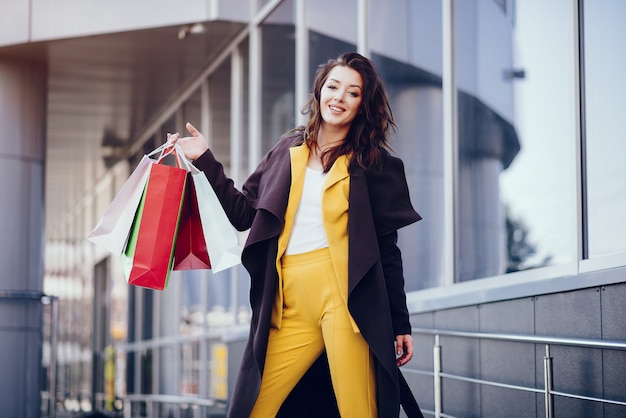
(308, 228)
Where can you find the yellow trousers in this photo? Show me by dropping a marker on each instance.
(315, 318)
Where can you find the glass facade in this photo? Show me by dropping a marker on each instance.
(406, 47)
(516, 137)
(277, 74)
(605, 61)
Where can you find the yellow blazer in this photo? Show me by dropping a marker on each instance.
(335, 204)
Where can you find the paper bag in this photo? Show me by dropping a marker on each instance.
(220, 236)
(191, 252)
(111, 233)
(151, 246)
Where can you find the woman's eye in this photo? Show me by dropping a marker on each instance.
(353, 94)
(330, 86)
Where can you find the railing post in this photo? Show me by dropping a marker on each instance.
(128, 408)
(52, 365)
(547, 377)
(437, 376)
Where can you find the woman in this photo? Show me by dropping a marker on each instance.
(327, 288)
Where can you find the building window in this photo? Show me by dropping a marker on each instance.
(278, 75)
(605, 63)
(516, 111)
(406, 46)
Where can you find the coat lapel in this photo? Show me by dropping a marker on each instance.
(363, 243)
(273, 194)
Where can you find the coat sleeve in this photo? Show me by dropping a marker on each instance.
(392, 210)
(238, 205)
(391, 260)
(389, 197)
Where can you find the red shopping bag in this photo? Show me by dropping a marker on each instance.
(150, 249)
(191, 252)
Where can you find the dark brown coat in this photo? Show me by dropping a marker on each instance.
(379, 206)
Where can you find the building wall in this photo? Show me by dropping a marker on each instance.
(22, 116)
(40, 20)
(593, 313)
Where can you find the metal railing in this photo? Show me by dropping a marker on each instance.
(53, 301)
(438, 373)
(201, 402)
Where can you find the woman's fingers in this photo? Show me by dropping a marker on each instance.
(192, 130)
(172, 138)
(404, 349)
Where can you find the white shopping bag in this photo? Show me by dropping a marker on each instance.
(112, 232)
(220, 236)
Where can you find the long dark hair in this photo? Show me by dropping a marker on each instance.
(368, 138)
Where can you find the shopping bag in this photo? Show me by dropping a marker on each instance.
(220, 236)
(112, 231)
(150, 250)
(191, 252)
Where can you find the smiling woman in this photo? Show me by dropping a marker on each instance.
(340, 100)
(319, 306)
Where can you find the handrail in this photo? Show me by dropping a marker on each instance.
(165, 399)
(238, 330)
(53, 301)
(548, 391)
(531, 339)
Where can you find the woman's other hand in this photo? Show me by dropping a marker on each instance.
(193, 146)
(404, 349)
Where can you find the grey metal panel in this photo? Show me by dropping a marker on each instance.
(32, 379)
(614, 362)
(423, 345)
(461, 399)
(73, 18)
(513, 316)
(614, 312)
(500, 402)
(555, 314)
(21, 223)
(24, 315)
(12, 369)
(421, 385)
(22, 110)
(13, 21)
(614, 383)
(460, 319)
(236, 10)
(575, 408)
(577, 371)
(22, 117)
(574, 370)
(507, 362)
(460, 357)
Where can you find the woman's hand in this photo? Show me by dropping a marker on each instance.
(404, 349)
(193, 146)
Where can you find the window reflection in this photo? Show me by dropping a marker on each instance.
(516, 121)
(407, 53)
(605, 62)
(206, 296)
(406, 48)
(278, 75)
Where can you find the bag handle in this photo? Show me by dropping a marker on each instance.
(163, 150)
(183, 160)
(166, 149)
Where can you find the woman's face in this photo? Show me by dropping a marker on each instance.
(340, 97)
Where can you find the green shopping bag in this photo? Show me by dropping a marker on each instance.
(150, 249)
